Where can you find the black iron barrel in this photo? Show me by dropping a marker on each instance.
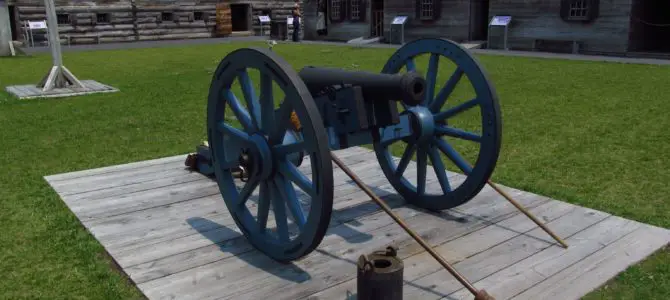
(407, 87)
(380, 276)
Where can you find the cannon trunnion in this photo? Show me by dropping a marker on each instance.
(281, 130)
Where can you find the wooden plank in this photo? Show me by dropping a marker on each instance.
(169, 228)
(441, 283)
(213, 279)
(423, 264)
(117, 179)
(594, 270)
(175, 239)
(53, 179)
(136, 225)
(509, 281)
(344, 211)
(167, 180)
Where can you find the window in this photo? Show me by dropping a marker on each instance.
(336, 10)
(426, 11)
(166, 16)
(579, 10)
(355, 9)
(198, 16)
(62, 19)
(103, 18)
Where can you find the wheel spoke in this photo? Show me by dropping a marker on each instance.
(453, 155)
(404, 161)
(458, 133)
(421, 162)
(431, 78)
(411, 66)
(388, 141)
(440, 170)
(280, 214)
(456, 110)
(264, 199)
(250, 96)
(286, 149)
(283, 119)
(446, 90)
(293, 174)
(239, 111)
(287, 192)
(247, 191)
(267, 104)
(239, 135)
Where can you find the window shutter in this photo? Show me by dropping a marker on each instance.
(594, 9)
(94, 19)
(418, 9)
(437, 9)
(565, 9)
(344, 9)
(364, 10)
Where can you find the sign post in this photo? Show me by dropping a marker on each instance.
(263, 20)
(499, 21)
(59, 76)
(5, 30)
(398, 30)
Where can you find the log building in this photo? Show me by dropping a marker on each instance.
(588, 26)
(102, 21)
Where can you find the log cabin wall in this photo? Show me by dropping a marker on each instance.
(437, 18)
(427, 18)
(346, 19)
(605, 31)
(102, 21)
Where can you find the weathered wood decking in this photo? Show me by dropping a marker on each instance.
(169, 230)
(30, 91)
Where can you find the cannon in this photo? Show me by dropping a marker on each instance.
(292, 119)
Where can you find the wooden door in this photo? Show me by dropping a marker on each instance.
(224, 24)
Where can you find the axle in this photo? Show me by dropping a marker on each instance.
(408, 87)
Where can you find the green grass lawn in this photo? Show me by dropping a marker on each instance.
(593, 134)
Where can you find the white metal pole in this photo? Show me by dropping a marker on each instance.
(5, 30)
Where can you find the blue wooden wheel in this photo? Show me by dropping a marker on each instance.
(434, 134)
(258, 124)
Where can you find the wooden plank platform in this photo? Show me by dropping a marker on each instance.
(169, 230)
(30, 91)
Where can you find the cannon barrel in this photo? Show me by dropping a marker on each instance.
(408, 87)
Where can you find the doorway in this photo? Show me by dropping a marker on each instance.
(12, 23)
(650, 26)
(240, 17)
(377, 24)
(479, 20)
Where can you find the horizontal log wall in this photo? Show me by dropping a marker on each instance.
(533, 19)
(337, 31)
(453, 21)
(136, 20)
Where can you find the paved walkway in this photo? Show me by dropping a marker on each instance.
(209, 41)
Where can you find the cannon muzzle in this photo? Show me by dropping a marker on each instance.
(408, 87)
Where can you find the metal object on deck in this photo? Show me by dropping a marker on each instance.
(380, 276)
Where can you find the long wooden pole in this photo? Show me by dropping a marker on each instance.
(479, 294)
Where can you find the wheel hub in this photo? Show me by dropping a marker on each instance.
(258, 158)
(423, 123)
